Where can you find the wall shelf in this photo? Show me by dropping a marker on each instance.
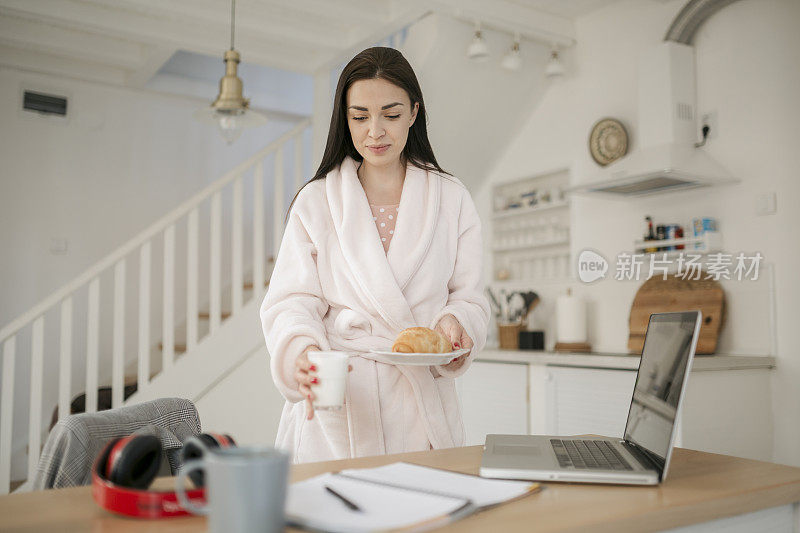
(536, 246)
(708, 243)
(526, 244)
(517, 211)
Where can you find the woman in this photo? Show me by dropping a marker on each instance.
(379, 240)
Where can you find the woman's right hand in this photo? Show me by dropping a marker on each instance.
(305, 376)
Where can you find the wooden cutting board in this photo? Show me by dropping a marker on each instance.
(657, 295)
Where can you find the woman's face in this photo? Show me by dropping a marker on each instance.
(379, 115)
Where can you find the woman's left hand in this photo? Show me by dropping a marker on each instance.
(450, 327)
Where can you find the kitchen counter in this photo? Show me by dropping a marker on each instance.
(619, 361)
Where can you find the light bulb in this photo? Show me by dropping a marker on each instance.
(230, 128)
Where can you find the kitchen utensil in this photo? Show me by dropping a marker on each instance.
(420, 359)
(516, 305)
(531, 301)
(658, 295)
(503, 305)
(495, 305)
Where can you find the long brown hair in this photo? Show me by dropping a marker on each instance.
(390, 65)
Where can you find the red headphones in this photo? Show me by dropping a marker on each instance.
(125, 468)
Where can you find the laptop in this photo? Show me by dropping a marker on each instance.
(642, 456)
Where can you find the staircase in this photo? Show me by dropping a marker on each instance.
(199, 341)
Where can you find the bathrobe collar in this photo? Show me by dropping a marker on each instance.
(383, 276)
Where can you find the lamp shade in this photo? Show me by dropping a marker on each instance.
(513, 59)
(231, 123)
(554, 67)
(230, 111)
(478, 51)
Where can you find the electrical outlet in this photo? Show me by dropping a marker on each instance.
(709, 119)
(59, 246)
(767, 203)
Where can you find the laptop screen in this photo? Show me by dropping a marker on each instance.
(662, 370)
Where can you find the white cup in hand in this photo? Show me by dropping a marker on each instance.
(331, 371)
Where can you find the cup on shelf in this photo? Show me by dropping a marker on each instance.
(538, 268)
(551, 267)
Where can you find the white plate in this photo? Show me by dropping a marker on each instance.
(420, 359)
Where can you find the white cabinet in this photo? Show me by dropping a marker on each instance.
(726, 408)
(726, 412)
(494, 399)
(579, 401)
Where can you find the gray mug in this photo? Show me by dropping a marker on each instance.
(245, 489)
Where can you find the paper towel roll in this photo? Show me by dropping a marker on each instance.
(571, 319)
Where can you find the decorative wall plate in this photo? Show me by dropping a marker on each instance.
(608, 141)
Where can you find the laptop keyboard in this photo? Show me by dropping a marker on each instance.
(588, 454)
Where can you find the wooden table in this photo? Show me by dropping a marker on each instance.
(701, 487)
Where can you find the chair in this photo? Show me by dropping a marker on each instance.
(75, 441)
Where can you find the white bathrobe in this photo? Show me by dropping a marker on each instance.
(334, 286)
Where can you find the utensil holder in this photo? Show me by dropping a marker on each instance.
(508, 335)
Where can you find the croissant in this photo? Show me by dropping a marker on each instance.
(421, 340)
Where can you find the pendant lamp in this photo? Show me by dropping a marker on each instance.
(230, 112)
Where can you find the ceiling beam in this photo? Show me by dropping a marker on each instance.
(254, 21)
(42, 63)
(156, 57)
(38, 36)
(188, 35)
(354, 12)
(411, 14)
(511, 17)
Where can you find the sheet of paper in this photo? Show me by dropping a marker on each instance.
(382, 507)
(480, 491)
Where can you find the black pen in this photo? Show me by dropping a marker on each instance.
(347, 502)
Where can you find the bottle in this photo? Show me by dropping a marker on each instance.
(661, 234)
(650, 236)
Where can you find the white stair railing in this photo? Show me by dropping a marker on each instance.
(116, 264)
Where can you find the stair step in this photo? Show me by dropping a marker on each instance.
(179, 348)
(205, 315)
(104, 394)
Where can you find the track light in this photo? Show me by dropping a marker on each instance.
(554, 68)
(478, 50)
(513, 60)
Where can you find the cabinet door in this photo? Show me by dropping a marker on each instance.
(494, 399)
(578, 401)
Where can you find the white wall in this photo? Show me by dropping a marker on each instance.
(748, 71)
(246, 404)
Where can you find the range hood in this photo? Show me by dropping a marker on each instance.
(667, 159)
